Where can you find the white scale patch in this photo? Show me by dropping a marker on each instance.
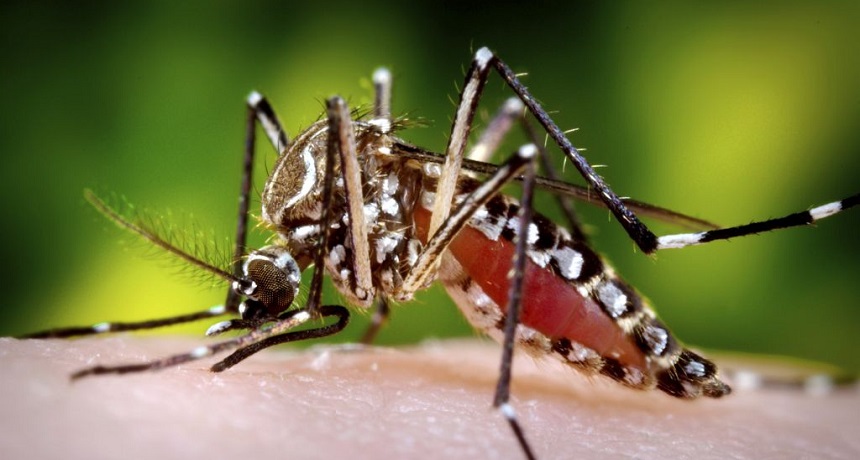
(695, 368)
(427, 199)
(337, 255)
(484, 314)
(371, 213)
(540, 258)
(826, 210)
(679, 241)
(432, 170)
(657, 338)
(390, 206)
(484, 223)
(612, 298)
(301, 234)
(633, 377)
(385, 245)
(391, 184)
(569, 262)
(218, 328)
(514, 225)
(579, 353)
(534, 340)
(390, 188)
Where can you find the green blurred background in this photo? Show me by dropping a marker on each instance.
(730, 112)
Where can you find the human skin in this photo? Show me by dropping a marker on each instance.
(427, 401)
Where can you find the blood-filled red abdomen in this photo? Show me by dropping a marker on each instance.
(551, 305)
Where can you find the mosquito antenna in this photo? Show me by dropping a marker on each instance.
(138, 227)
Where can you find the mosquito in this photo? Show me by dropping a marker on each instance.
(384, 219)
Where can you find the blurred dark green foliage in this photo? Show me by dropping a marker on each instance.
(728, 111)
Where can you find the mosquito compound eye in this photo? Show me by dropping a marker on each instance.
(275, 275)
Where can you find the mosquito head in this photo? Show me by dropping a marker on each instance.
(270, 281)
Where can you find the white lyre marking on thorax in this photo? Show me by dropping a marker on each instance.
(309, 180)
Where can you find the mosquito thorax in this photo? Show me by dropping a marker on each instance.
(292, 207)
(293, 192)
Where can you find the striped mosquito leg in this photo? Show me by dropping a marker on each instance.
(510, 112)
(792, 220)
(294, 320)
(315, 291)
(503, 388)
(258, 110)
(105, 328)
(269, 121)
(342, 138)
(381, 116)
(475, 80)
(241, 354)
(644, 238)
(423, 268)
(382, 94)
